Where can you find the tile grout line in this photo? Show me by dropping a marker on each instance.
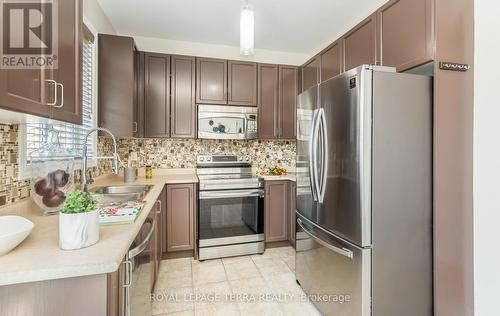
(230, 286)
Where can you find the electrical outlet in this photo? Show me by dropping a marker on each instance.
(280, 155)
(133, 156)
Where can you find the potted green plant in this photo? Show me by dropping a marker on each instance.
(78, 221)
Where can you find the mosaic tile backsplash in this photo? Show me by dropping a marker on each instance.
(181, 153)
(11, 189)
(158, 152)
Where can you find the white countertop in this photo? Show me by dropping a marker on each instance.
(39, 258)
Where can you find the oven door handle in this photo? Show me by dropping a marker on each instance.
(206, 195)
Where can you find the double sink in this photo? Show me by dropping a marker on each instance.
(120, 193)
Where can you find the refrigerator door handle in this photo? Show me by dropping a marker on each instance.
(313, 148)
(342, 251)
(324, 152)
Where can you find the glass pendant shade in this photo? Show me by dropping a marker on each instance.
(246, 31)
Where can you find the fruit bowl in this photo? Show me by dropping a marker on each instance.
(13, 230)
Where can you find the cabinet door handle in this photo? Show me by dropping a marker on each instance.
(135, 127)
(158, 207)
(50, 81)
(62, 95)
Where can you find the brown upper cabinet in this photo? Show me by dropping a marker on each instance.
(116, 84)
(211, 81)
(288, 81)
(360, 44)
(277, 94)
(311, 73)
(406, 33)
(156, 95)
(181, 206)
(242, 83)
(138, 121)
(331, 61)
(52, 93)
(268, 95)
(183, 107)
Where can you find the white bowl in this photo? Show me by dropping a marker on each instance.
(13, 230)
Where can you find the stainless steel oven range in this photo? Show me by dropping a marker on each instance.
(230, 207)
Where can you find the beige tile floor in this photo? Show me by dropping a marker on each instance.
(249, 285)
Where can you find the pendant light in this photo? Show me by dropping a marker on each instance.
(246, 30)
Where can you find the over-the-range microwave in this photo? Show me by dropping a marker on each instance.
(227, 122)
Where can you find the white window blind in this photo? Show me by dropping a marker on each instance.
(36, 132)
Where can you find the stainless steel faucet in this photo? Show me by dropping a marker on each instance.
(115, 157)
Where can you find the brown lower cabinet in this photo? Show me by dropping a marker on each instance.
(279, 214)
(181, 204)
(161, 224)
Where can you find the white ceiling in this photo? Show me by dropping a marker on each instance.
(294, 26)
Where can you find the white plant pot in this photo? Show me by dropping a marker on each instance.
(78, 230)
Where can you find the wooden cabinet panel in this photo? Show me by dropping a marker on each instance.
(69, 70)
(138, 120)
(406, 33)
(268, 95)
(331, 61)
(359, 44)
(311, 73)
(287, 101)
(242, 83)
(291, 211)
(162, 220)
(276, 205)
(116, 84)
(25, 91)
(115, 291)
(183, 108)
(161, 215)
(211, 81)
(180, 217)
(157, 95)
(152, 251)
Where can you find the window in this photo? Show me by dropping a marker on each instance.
(36, 132)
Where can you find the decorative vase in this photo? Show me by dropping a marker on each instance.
(78, 230)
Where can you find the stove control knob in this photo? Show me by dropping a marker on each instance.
(202, 158)
(209, 158)
(240, 158)
(247, 158)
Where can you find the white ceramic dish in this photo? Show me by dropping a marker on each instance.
(13, 230)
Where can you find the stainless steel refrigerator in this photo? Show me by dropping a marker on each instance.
(364, 193)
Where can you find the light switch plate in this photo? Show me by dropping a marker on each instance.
(133, 156)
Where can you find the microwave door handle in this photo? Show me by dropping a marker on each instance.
(143, 245)
(342, 251)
